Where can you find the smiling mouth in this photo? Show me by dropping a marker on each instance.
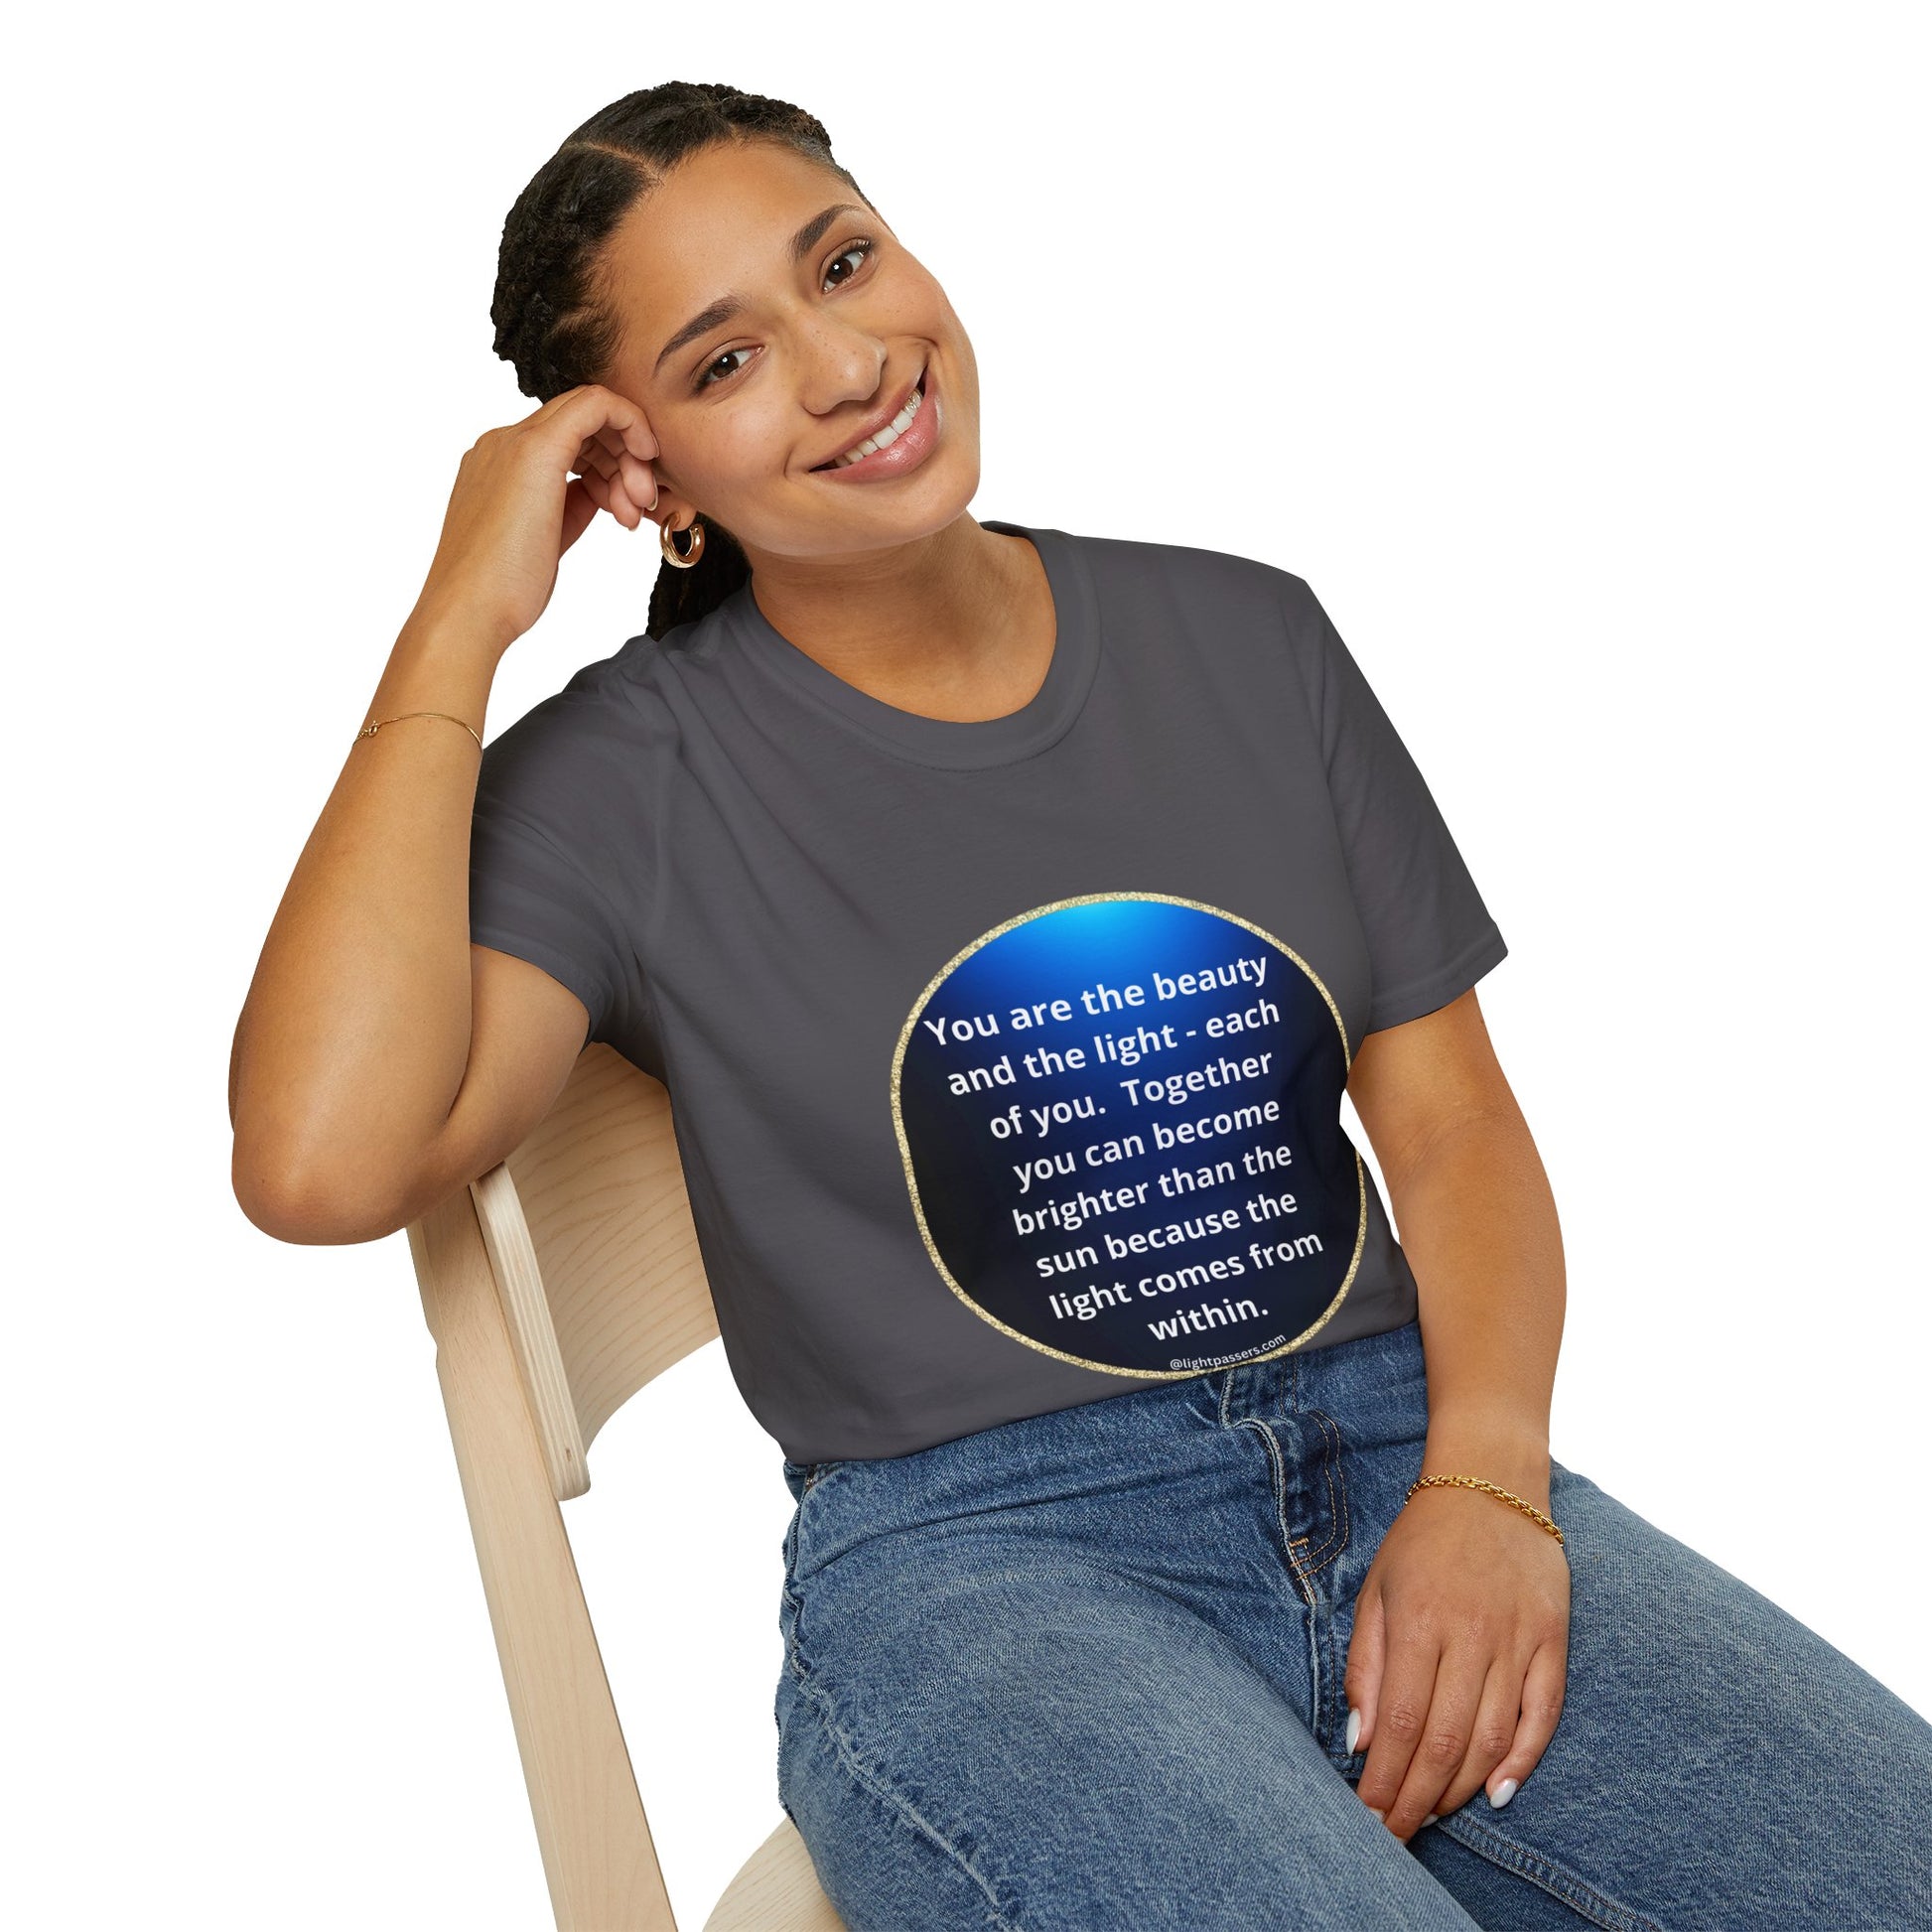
(886, 438)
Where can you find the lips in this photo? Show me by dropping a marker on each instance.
(873, 427)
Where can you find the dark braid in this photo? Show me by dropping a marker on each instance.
(551, 312)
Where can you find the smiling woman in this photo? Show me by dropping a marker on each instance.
(802, 341)
(892, 846)
(1137, 766)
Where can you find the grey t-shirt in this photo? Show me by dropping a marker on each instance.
(1006, 1057)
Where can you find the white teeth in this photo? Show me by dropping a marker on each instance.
(887, 436)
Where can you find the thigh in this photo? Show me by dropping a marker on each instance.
(1037, 1748)
(1717, 1763)
(991, 1730)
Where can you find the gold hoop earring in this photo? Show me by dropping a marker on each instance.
(667, 542)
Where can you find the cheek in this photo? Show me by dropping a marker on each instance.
(731, 451)
(931, 314)
(945, 327)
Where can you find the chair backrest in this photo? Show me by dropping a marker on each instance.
(588, 1232)
(556, 1286)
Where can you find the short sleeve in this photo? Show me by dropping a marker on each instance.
(1429, 935)
(530, 893)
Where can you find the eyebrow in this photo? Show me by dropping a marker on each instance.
(731, 302)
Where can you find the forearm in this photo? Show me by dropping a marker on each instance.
(356, 1027)
(1479, 1222)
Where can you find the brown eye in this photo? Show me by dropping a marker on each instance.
(860, 248)
(724, 363)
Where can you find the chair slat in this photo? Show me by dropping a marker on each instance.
(598, 1856)
(557, 1286)
(601, 1188)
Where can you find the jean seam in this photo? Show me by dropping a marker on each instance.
(792, 1662)
(789, 1594)
(1278, 1463)
(1512, 1856)
(1279, 1485)
(878, 1786)
(1331, 1694)
(1305, 1566)
(1337, 1496)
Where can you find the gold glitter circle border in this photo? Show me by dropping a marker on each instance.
(912, 1180)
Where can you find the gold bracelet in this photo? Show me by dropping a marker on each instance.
(1477, 1483)
(369, 731)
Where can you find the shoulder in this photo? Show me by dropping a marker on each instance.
(547, 733)
(603, 707)
(1256, 617)
(1218, 582)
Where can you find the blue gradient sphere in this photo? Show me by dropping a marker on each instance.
(1120, 1119)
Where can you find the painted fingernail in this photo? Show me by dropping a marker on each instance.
(1355, 1730)
(1502, 1794)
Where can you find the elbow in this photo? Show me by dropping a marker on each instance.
(306, 1204)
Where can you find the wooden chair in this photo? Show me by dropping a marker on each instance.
(556, 1286)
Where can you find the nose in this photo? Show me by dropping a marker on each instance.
(839, 366)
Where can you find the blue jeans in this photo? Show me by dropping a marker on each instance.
(1084, 1671)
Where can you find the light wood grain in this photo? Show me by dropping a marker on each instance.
(775, 1890)
(557, 1286)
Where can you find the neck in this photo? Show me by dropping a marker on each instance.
(943, 619)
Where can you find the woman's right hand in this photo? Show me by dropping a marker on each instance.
(523, 494)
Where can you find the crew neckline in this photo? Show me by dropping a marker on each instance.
(959, 744)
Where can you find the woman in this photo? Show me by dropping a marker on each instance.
(1007, 912)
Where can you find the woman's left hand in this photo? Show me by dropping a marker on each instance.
(1459, 1656)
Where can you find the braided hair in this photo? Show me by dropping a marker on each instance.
(552, 316)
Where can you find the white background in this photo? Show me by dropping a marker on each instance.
(1576, 360)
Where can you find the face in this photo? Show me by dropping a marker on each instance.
(747, 405)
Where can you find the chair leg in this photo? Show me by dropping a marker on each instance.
(598, 1854)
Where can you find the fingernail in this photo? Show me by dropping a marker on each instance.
(1502, 1794)
(1355, 1730)
(1378, 1816)
(1432, 1818)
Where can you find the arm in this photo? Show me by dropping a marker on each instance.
(1475, 1216)
(382, 1059)
(1458, 1657)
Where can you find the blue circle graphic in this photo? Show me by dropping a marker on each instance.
(1120, 1121)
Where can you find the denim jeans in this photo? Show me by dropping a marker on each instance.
(1084, 1671)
